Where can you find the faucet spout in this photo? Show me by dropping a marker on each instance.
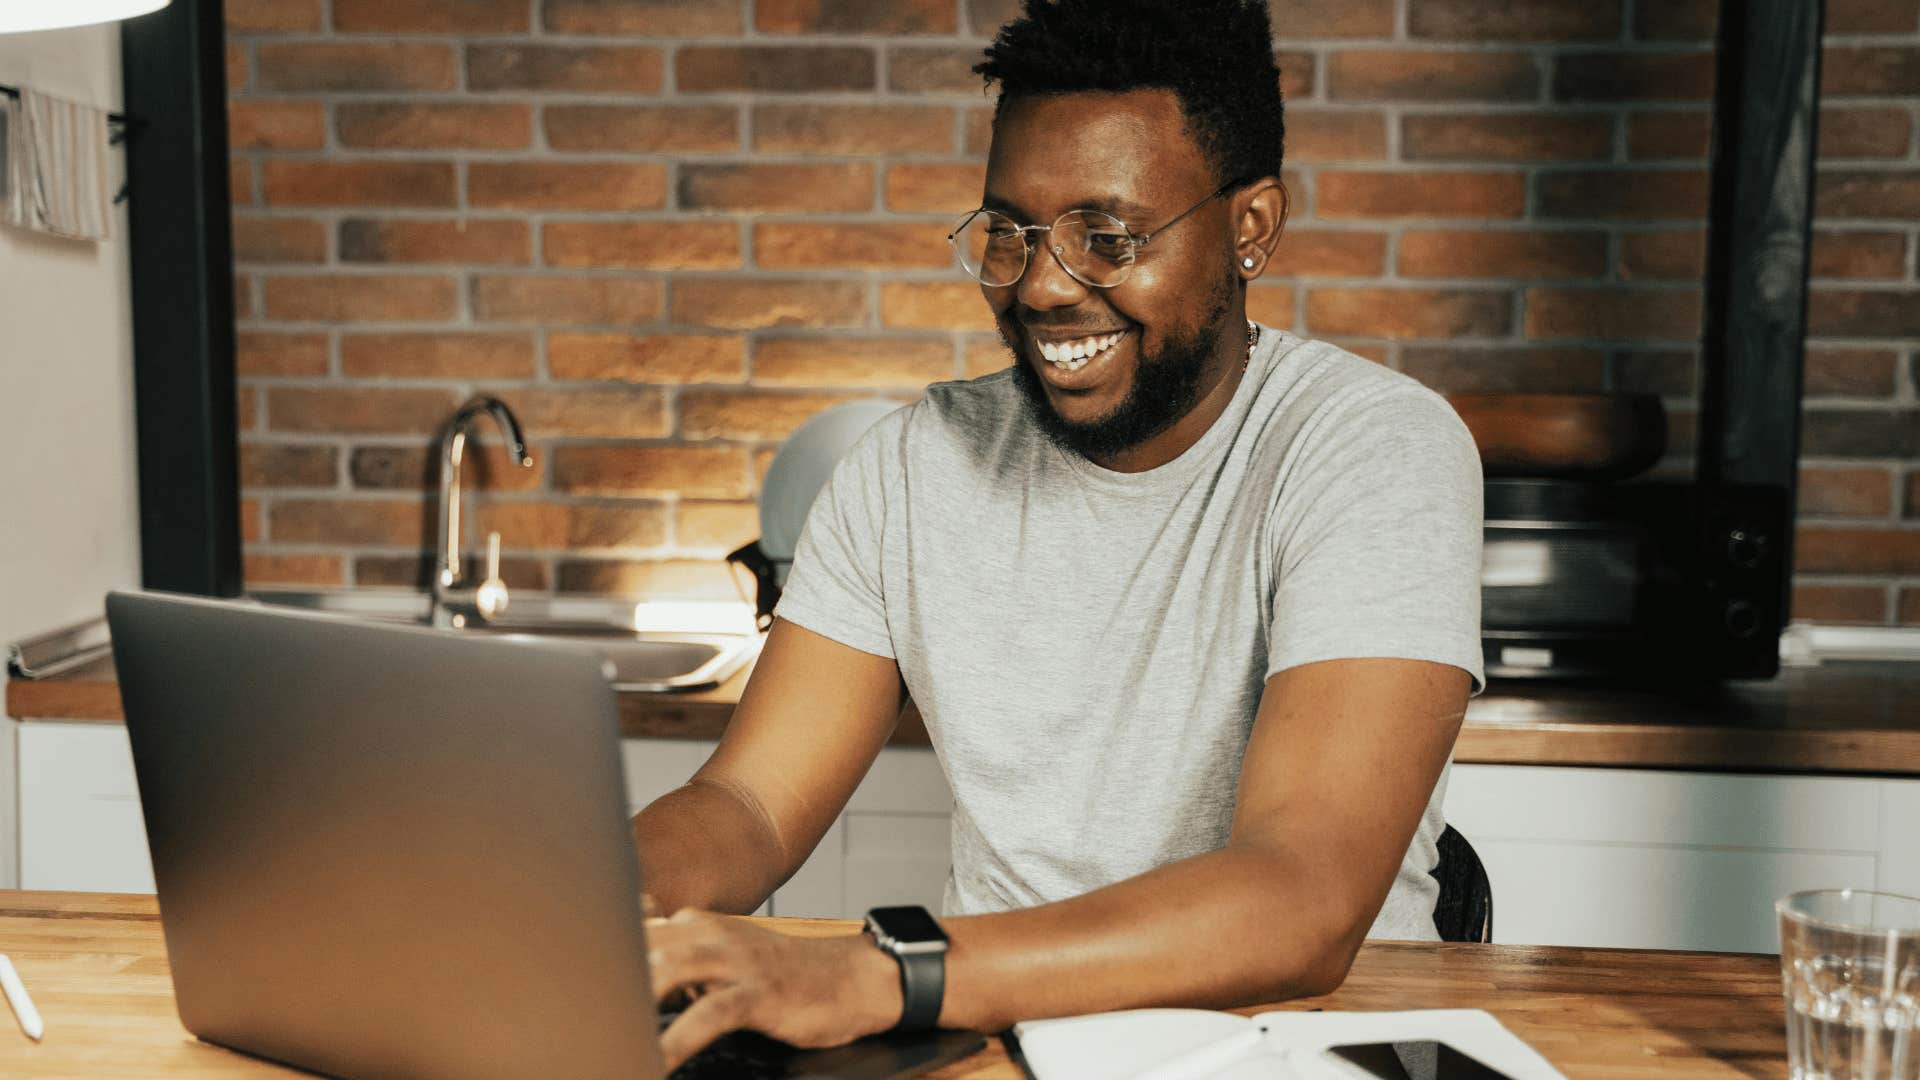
(449, 559)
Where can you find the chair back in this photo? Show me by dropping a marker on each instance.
(1464, 911)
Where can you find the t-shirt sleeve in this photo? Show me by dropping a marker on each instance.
(1380, 553)
(835, 586)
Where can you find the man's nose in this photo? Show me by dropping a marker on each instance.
(1046, 284)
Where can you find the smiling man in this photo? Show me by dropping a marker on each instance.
(1189, 605)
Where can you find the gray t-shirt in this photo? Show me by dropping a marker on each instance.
(1089, 647)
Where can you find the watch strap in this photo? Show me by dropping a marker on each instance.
(923, 979)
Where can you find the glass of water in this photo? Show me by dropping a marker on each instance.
(1850, 968)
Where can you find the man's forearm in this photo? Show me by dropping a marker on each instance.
(1232, 927)
(704, 845)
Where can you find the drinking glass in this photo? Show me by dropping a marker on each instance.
(1850, 969)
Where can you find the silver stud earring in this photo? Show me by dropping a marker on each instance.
(1247, 262)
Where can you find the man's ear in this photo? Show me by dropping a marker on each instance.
(1260, 216)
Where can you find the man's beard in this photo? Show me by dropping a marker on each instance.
(1166, 386)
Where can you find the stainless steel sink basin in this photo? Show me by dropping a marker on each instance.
(656, 646)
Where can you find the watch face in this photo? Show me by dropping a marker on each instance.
(906, 925)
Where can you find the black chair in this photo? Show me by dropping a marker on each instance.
(1464, 911)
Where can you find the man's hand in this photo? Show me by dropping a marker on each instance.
(804, 991)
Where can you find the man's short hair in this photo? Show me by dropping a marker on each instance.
(1215, 55)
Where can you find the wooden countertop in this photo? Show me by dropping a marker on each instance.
(96, 965)
(1860, 718)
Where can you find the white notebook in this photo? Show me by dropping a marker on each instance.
(1125, 1045)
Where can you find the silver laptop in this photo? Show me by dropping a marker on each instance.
(388, 851)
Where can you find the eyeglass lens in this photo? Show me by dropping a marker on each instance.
(1094, 247)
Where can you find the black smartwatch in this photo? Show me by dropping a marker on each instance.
(916, 942)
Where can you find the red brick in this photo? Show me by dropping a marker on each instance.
(276, 125)
(1859, 433)
(852, 129)
(1618, 313)
(236, 66)
(1912, 509)
(935, 187)
(391, 522)
(563, 301)
(1840, 603)
(1870, 313)
(1665, 255)
(693, 579)
(855, 16)
(1421, 194)
(240, 186)
(358, 410)
(750, 415)
(1851, 492)
(1850, 193)
(777, 188)
(985, 17)
(1451, 370)
(272, 568)
(432, 16)
(391, 125)
(604, 412)
(250, 527)
(1296, 72)
(1623, 193)
(1315, 20)
(752, 304)
(1824, 550)
(848, 361)
(657, 245)
(272, 16)
(1872, 16)
(1336, 135)
(978, 138)
(1534, 20)
(416, 571)
(258, 352)
(1409, 313)
(244, 306)
(359, 183)
(644, 18)
(1850, 372)
(1420, 75)
(437, 356)
(934, 305)
(485, 467)
(259, 239)
(985, 354)
(1869, 70)
(1271, 305)
(1328, 253)
(1865, 132)
(719, 526)
(690, 471)
(595, 185)
(1663, 372)
(633, 69)
(414, 240)
(1858, 255)
(541, 526)
(773, 68)
(864, 246)
(1468, 253)
(1633, 76)
(1481, 137)
(1910, 607)
(1670, 135)
(933, 69)
(361, 298)
(1676, 20)
(288, 465)
(647, 358)
(354, 65)
(654, 128)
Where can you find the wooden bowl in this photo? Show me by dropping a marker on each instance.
(1597, 437)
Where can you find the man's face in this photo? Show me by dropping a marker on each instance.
(1131, 155)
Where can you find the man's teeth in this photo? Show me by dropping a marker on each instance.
(1074, 355)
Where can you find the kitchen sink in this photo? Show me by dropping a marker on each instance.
(648, 645)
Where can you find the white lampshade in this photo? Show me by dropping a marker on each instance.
(19, 15)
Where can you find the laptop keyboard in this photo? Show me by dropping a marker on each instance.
(743, 1055)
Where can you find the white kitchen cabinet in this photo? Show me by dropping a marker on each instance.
(80, 824)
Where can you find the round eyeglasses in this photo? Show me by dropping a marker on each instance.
(1093, 246)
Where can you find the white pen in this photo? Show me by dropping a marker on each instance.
(17, 997)
(1204, 1061)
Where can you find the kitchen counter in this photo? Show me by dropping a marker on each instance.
(1840, 717)
(98, 969)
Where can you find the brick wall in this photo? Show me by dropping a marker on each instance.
(667, 231)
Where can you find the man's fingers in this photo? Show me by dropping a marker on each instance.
(690, 963)
(703, 1021)
(649, 907)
